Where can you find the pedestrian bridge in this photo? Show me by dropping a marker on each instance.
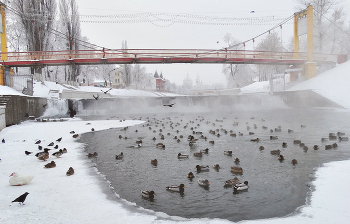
(159, 56)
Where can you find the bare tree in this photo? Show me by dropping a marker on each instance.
(236, 75)
(271, 42)
(70, 25)
(126, 68)
(36, 18)
(321, 9)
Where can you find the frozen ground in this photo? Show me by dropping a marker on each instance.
(57, 198)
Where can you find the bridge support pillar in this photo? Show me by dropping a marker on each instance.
(310, 70)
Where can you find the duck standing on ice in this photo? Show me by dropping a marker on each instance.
(17, 180)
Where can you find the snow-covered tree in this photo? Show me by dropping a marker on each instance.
(36, 19)
(272, 42)
(237, 75)
(70, 26)
(322, 8)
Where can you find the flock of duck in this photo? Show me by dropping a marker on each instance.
(43, 154)
(193, 136)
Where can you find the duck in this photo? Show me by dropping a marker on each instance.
(52, 164)
(175, 188)
(328, 147)
(290, 131)
(37, 142)
(75, 135)
(216, 166)
(148, 194)
(160, 145)
(255, 140)
(275, 152)
(190, 175)
(58, 153)
(294, 161)
(284, 144)
(46, 150)
(204, 150)
(281, 158)
(273, 137)
(211, 142)
(236, 160)
(44, 156)
(261, 148)
(90, 155)
(51, 144)
(236, 169)
(242, 186)
(198, 154)
(340, 133)
(343, 138)
(182, 156)
(335, 145)
(324, 139)
(228, 153)
(59, 139)
(297, 141)
(17, 180)
(64, 150)
(154, 162)
(70, 171)
(316, 147)
(120, 156)
(202, 168)
(231, 182)
(203, 182)
(27, 152)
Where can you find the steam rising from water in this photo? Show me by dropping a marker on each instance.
(188, 104)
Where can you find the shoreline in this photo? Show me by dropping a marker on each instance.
(53, 194)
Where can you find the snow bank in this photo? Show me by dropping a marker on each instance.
(57, 198)
(332, 84)
(5, 90)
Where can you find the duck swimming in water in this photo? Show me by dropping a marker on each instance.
(182, 156)
(228, 153)
(203, 182)
(202, 168)
(190, 175)
(148, 194)
(236, 169)
(120, 156)
(175, 188)
(242, 186)
(231, 182)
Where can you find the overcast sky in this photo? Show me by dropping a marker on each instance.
(186, 35)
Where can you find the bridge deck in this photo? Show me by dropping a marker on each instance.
(158, 56)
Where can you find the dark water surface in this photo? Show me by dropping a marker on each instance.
(276, 188)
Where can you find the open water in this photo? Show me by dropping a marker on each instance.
(276, 188)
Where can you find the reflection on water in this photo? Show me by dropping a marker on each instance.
(276, 188)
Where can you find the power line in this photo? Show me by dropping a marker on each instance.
(54, 31)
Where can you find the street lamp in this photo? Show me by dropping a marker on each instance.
(109, 76)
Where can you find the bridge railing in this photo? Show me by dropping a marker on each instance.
(161, 53)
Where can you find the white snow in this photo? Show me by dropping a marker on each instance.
(332, 84)
(57, 198)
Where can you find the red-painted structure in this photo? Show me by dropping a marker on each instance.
(157, 56)
(160, 84)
